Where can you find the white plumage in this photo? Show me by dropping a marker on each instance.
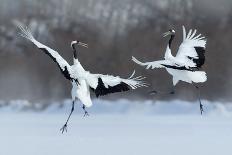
(187, 50)
(82, 80)
(187, 62)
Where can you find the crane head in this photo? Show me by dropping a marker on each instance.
(170, 32)
(76, 42)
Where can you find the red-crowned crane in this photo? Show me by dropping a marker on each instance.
(83, 81)
(187, 62)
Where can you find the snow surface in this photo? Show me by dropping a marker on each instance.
(117, 128)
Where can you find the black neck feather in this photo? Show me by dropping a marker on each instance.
(74, 52)
(170, 40)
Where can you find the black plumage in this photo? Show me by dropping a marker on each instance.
(102, 90)
(201, 56)
(192, 69)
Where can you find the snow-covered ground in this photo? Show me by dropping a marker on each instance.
(117, 128)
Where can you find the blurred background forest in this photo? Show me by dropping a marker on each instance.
(114, 30)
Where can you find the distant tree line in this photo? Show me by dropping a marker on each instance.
(114, 30)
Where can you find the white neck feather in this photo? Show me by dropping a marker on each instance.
(78, 67)
(168, 54)
(76, 61)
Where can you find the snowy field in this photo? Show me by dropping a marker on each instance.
(117, 128)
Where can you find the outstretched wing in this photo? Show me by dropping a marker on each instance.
(192, 50)
(162, 64)
(62, 64)
(105, 84)
(152, 65)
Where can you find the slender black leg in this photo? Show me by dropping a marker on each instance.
(199, 98)
(64, 128)
(86, 113)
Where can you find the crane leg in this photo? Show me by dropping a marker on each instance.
(86, 112)
(199, 99)
(64, 128)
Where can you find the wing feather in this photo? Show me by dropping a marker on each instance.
(106, 84)
(184, 33)
(189, 33)
(62, 64)
(193, 34)
(164, 64)
(153, 64)
(192, 50)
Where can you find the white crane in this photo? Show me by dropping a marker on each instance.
(187, 62)
(83, 81)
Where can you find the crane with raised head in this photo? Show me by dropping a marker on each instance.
(186, 65)
(83, 81)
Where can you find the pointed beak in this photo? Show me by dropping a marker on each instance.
(83, 44)
(166, 34)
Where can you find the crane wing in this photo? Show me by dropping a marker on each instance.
(192, 50)
(153, 64)
(62, 64)
(163, 64)
(106, 84)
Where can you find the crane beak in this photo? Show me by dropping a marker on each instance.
(166, 34)
(83, 44)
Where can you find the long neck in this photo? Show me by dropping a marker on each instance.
(76, 62)
(75, 59)
(170, 40)
(168, 54)
(74, 52)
